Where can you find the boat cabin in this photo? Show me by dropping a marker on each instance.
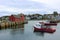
(37, 25)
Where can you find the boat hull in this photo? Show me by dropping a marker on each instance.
(48, 30)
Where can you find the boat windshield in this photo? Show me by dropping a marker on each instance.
(38, 25)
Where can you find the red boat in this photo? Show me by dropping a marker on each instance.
(48, 24)
(40, 28)
(54, 21)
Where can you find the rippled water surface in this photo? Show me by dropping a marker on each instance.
(26, 33)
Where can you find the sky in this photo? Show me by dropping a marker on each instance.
(8, 7)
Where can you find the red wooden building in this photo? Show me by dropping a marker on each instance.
(15, 19)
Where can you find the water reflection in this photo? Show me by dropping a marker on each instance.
(39, 34)
(17, 26)
(17, 31)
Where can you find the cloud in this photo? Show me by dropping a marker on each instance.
(12, 9)
(50, 3)
(29, 6)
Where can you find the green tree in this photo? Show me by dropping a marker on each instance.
(55, 13)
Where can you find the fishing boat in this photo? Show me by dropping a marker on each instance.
(53, 21)
(41, 28)
(48, 24)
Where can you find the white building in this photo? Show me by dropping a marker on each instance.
(57, 17)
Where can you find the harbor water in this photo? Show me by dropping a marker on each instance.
(26, 32)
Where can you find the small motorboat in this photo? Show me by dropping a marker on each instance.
(53, 21)
(40, 28)
(48, 24)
